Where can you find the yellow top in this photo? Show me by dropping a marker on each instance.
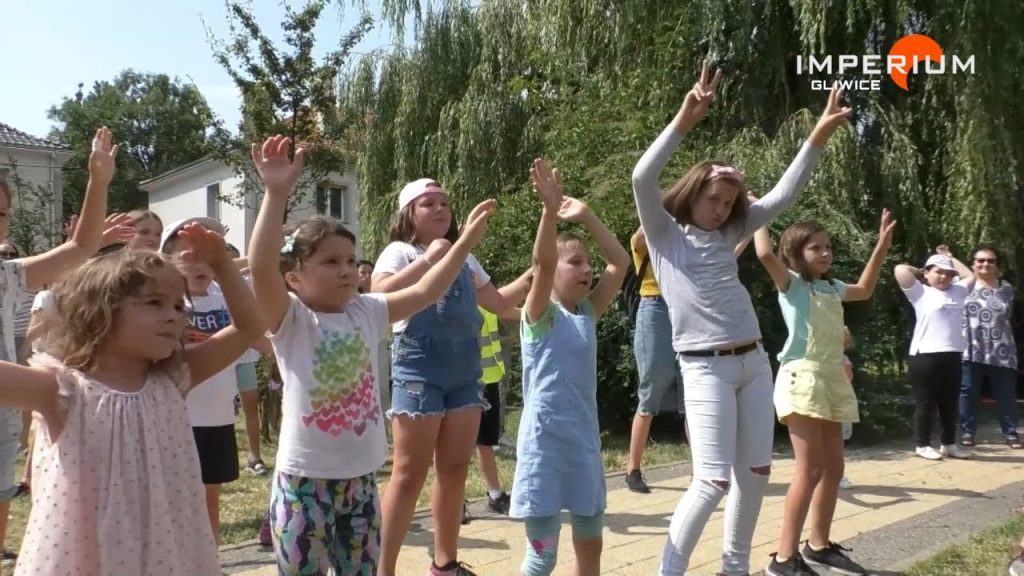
(648, 285)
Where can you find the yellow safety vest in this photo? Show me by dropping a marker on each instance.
(490, 349)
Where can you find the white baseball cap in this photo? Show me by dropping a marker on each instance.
(941, 262)
(172, 230)
(417, 188)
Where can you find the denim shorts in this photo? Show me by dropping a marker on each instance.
(245, 377)
(10, 442)
(433, 376)
(655, 359)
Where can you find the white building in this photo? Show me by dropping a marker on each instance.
(209, 187)
(32, 167)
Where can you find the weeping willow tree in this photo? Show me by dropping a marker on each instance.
(486, 87)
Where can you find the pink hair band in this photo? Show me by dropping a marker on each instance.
(720, 171)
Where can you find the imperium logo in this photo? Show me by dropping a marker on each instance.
(914, 53)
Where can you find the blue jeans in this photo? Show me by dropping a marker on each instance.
(1004, 390)
(655, 359)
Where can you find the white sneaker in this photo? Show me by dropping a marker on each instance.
(928, 453)
(954, 451)
(845, 483)
(1017, 566)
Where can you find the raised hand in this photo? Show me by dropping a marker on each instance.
(547, 183)
(885, 229)
(101, 159)
(698, 99)
(437, 249)
(476, 224)
(204, 246)
(118, 228)
(834, 116)
(573, 210)
(279, 174)
(943, 250)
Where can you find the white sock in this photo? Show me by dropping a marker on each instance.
(494, 494)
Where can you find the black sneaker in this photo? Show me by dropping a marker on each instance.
(452, 569)
(465, 513)
(834, 557)
(499, 505)
(635, 482)
(8, 558)
(795, 566)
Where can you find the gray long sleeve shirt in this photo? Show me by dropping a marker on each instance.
(696, 269)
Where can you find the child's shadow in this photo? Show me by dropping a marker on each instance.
(898, 494)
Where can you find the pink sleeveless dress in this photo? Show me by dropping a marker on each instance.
(118, 491)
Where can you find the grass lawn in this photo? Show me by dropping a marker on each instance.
(242, 503)
(985, 554)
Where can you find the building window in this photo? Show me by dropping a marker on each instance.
(330, 201)
(213, 201)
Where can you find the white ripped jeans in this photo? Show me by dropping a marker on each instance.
(732, 421)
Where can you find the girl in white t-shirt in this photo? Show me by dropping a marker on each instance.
(325, 511)
(936, 347)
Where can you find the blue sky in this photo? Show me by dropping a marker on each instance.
(49, 46)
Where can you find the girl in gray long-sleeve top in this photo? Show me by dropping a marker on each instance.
(691, 233)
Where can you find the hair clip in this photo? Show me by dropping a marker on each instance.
(289, 243)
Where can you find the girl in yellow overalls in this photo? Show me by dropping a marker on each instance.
(813, 397)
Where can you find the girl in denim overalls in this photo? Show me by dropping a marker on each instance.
(813, 396)
(559, 462)
(437, 397)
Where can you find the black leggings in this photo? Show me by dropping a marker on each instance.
(935, 381)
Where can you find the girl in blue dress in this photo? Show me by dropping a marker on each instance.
(559, 463)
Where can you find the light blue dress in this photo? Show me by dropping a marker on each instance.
(559, 463)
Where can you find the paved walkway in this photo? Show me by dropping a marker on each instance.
(890, 516)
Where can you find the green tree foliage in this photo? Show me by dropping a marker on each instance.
(31, 226)
(589, 84)
(159, 122)
(287, 90)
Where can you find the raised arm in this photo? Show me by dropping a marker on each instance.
(638, 240)
(769, 260)
(223, 348)
(47, 267)
(907, 275)
(548, 185)
(279, 175)
(27, 388)
(865, 287)
(799, 172)
(432, 285)
(503, 301)
(965, 273)
(655, 221)
(616, 257)
(411, 274)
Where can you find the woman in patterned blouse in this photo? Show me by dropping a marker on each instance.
(991, 351)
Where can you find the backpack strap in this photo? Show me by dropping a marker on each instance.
(643, 267)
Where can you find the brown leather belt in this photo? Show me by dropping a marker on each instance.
(730, 352)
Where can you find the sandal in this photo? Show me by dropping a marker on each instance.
(967, 440)
(1014, 442)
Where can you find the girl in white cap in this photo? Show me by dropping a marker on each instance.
(436, 398)
(936, 347)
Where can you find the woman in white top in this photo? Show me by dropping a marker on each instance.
(936, 347)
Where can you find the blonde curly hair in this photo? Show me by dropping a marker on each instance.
(86, 303)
